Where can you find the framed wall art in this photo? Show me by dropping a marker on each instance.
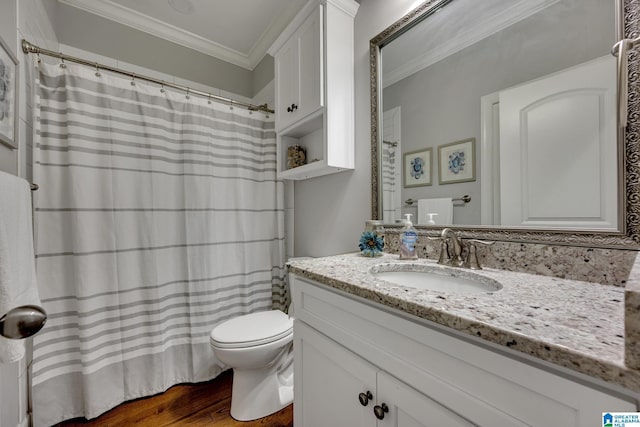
(417, 168)
(8, 96)
(457, 162)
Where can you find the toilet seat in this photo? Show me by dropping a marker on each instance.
(252, 330)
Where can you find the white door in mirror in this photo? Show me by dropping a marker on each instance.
(557, 160)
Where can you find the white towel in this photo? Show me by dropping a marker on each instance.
(17, 262)
(443, 207)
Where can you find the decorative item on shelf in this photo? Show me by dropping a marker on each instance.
(371, 244)
(295, 156)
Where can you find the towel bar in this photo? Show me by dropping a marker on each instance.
(466, 199)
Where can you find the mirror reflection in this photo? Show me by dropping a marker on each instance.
(502, 113)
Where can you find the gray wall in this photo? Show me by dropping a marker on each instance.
(330, 211)
(441, 103)
(95, 34)
(262, 74)
(8, 33)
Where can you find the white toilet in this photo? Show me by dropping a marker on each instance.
(259, 348)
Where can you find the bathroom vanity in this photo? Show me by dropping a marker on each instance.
(537, 351)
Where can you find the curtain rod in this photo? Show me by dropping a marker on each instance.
(28, 48)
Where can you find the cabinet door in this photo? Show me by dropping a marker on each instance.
(310, 62)
(328, 379)
(410, 408)
(287, 82)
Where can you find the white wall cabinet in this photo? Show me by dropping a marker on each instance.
(299, 73)
(344, 346)
(314, 85)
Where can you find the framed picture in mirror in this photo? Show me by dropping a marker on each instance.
(8, 95)
(456, 161)
(417, 168)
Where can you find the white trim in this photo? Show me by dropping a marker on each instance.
(293, 26)
(489, 161)
(349, 7)
(134, 19)
(509, 16)
(262, 45)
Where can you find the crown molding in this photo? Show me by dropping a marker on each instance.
(516, 13)
(262, 45)
(134, 19)
(350, 7)
(293, 26)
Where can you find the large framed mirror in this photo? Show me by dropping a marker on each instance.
(499, 118)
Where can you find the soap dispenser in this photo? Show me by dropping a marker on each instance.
(431, 221)
(408, 240)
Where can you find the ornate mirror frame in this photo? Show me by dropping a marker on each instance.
(628, 148)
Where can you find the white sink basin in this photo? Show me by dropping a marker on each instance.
(435, 278)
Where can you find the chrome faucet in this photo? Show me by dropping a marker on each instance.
(452, 248)
(455, 253)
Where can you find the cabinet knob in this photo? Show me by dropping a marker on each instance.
(380, 410)
(294, 107)
(365, 398)
(289, 110)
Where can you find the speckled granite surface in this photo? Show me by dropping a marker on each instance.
(573, 324)
(595, 265)
(632, 318)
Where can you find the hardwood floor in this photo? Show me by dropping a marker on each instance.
(204, 404)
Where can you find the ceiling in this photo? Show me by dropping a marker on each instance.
(236, 31)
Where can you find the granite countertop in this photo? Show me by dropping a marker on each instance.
(577, 325)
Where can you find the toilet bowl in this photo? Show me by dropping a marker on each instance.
(259, 349)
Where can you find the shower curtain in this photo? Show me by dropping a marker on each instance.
(158, 216)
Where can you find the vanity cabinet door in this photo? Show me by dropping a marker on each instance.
(328, 381)
(410, 408)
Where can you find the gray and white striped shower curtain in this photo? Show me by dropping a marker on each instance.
(157, 217)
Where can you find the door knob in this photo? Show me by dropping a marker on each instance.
(365, 398)
(380, 410)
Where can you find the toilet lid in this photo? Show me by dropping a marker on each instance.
(252, 329)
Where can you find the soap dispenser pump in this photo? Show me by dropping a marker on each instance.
(408, 240)
(431, 221)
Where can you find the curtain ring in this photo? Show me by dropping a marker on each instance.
(97, 70)
(162, 87)
(231, 104)
(62, 64)
(133, 79)
(38, 59)
(188, 97)
(209, 99)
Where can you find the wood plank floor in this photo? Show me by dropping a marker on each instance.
(204, 404)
